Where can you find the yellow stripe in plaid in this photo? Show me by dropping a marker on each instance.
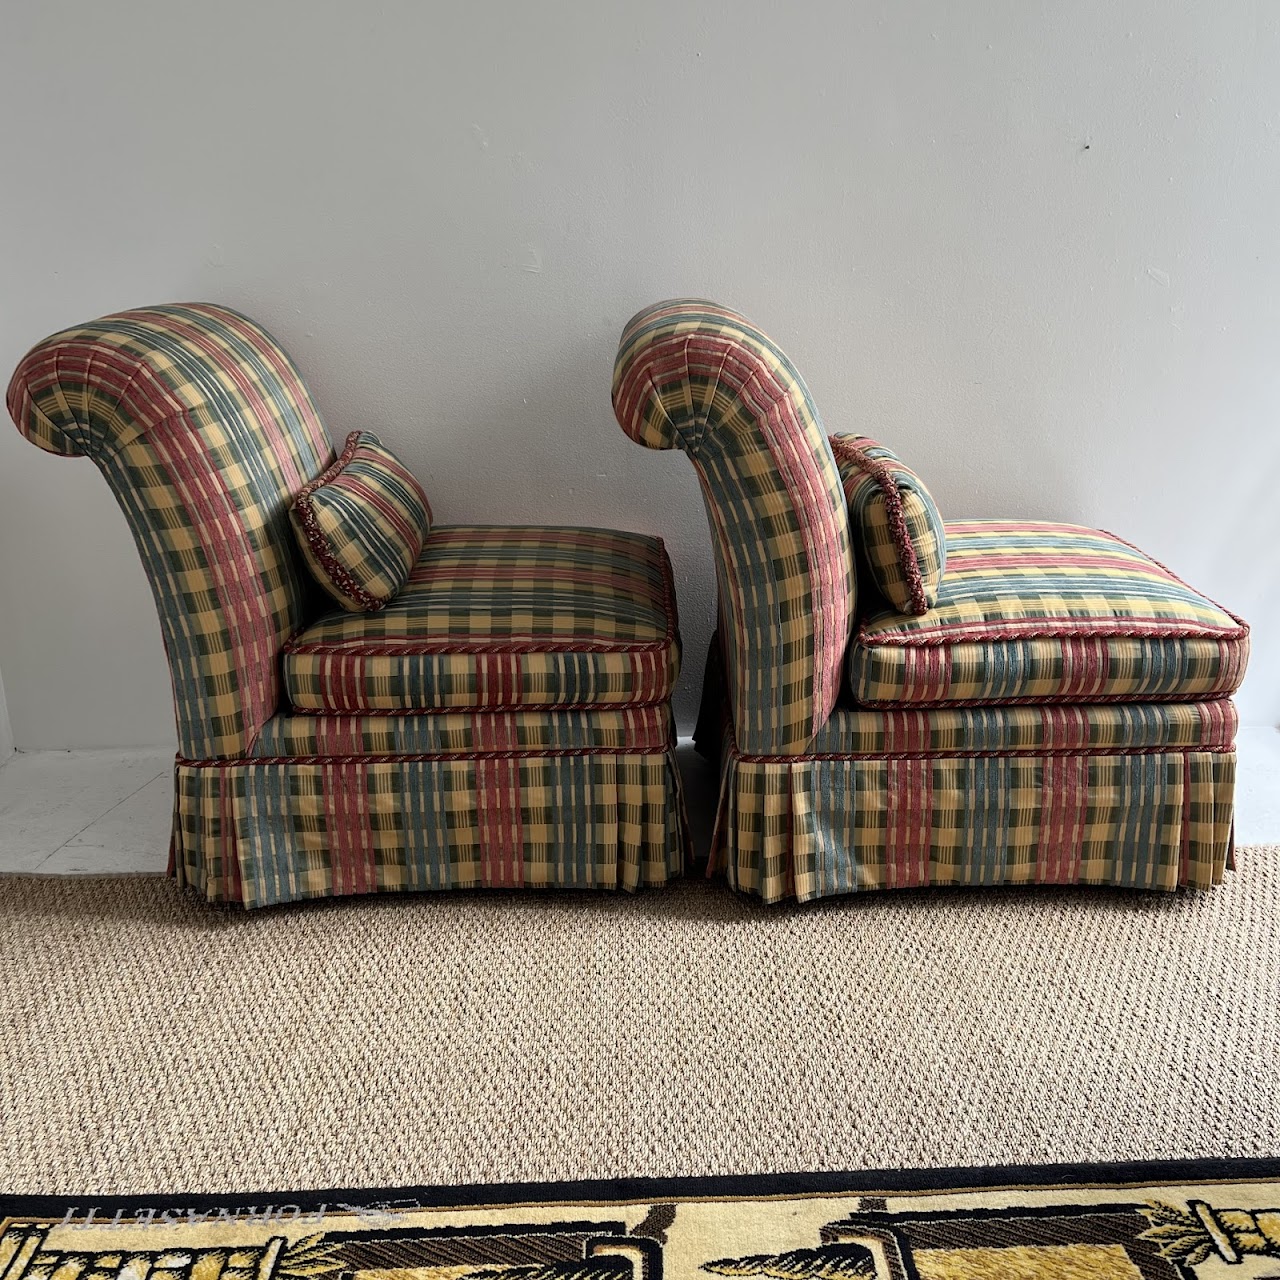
(1049, 612)
(502, 617)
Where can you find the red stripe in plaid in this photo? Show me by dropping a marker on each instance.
(353, 858)
(498, 779)
(1059, 849)
(909, 793)
(224, 804)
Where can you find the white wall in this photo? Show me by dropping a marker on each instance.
(1032, 246)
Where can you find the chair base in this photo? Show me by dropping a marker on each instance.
(812, 827)
(264, 831)
(1156, 816)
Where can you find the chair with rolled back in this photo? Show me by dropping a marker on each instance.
(486, 706)
(899, 702)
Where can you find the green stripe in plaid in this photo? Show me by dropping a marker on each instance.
(1041, 612)
(502, 617)
(693, 375)
(648, 728)
(1106, 726)
(259, 832)
(901, 542)
(816, 827)
(361, 525)
(204, 431)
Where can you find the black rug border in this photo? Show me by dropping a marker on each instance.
(650, 1190)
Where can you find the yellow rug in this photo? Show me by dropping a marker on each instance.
(1104, 1222)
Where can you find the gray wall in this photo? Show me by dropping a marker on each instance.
(1032, 246)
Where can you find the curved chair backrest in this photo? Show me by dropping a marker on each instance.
(698, 377)
(204, 431)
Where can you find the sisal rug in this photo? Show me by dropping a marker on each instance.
(153, 1044)
(1159, 1222)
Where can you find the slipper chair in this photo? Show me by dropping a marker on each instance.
(899, 702)
(364, 702)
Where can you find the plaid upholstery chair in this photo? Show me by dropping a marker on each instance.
(1061, 714)
(504, 721)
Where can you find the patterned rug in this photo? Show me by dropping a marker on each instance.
(1198, 1219)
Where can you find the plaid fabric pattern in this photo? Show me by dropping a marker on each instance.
(693, 375)
(260, 832)
(502, 617)
(1100, 727)
(900, 539)
(206, 434)
(361, 525)
(204, 431)
(1049, 612)
(647, 728)
(820, 826)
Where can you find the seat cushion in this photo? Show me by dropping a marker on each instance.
(475, 731)
(1050, 728)
(1035, 612)
(502, 617)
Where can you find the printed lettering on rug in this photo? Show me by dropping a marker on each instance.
(1024, 1233)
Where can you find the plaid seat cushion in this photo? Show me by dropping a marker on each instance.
(502, 617)
(901, 541)
(1037, 612)
(361, 524)
(479, 731)
(900, 732)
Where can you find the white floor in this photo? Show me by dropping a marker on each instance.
(70, 812)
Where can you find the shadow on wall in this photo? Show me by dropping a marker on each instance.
(6, 733)
(1249, 562)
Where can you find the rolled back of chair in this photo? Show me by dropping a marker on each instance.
(695, 376)
(204, 430)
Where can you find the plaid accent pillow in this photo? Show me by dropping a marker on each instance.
(896, 523)
(362, 524)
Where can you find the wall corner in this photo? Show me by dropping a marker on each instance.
(6, 732)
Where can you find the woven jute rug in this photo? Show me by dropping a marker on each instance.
(1158, 1222)
(151, 1044)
